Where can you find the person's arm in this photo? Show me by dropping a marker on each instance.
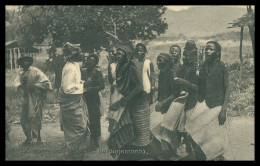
(138, 88)
(186, 83)
(152, 76)
(174, 94)
(222, 115)
(109, 75)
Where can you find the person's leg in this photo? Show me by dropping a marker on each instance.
(26, 125)
(167, 153)
(95, 128)
(154, 148)
(39, 139)
(198, 153)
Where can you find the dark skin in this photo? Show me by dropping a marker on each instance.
(122, 58)
(175, 52)
(189, 60)
(111, 58)
(91, 65)
(140, 54)
(25, 65)
(37, 91)
(162, 66)
(211, 55)
(141, 57)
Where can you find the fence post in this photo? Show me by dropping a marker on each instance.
(18, 56)
(11, 59)
(15, 58)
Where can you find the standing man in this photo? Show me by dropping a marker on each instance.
(59, 60)
(74, 113)
(146, 70)
(32, 93)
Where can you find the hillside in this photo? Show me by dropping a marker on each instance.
(201, 21)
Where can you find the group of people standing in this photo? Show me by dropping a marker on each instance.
(189, 108)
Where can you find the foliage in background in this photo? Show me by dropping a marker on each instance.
(242, 96)
(91, 26)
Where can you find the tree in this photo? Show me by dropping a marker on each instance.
(11, 19)
(246, 20)
(91, 26)
(251, 26)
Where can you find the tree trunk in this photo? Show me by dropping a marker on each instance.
(240, 55)
(252, 35)
(251, 30)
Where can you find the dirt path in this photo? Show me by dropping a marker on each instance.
(241, 133)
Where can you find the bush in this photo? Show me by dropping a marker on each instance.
(242, 96)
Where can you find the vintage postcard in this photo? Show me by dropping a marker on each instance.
(119, 82)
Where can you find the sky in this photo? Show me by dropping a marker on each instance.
(170, 7)
(183, 7)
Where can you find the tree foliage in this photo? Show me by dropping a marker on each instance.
(248, 20)
(91, 26)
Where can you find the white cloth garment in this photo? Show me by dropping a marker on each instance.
(205, 130)
(146, 75)
(71, 82)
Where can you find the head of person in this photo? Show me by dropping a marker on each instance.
(25, 62)
(72, 52)
(112, 53)
(84, 61)
(92, 61)
(212, 51)
(164, 61)
(140, 51)
(124, 53)
(190, 53)
(175, 52)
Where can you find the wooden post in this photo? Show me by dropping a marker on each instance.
(11, 59)
(18, 56)
(240, 54)
(14, 53)
(6, 59)
(13, 50)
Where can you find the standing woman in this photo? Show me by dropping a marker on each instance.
(32, 93)
(206, 126)
(115, 96)
(131, 132)
(167, 92)
(94, 83)
(74, 113)
(188, 83)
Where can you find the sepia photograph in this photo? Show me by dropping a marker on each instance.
(130, 82)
